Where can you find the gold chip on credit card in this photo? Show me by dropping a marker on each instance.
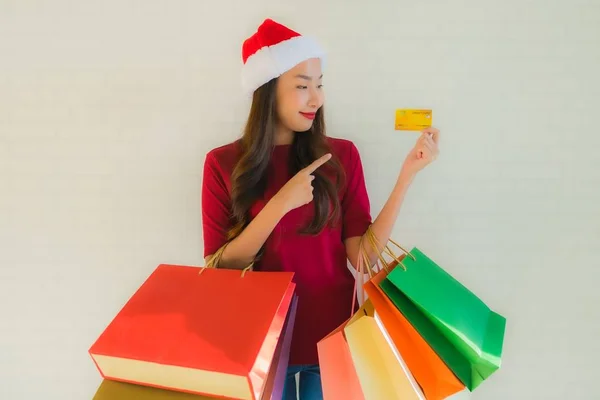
(413, 119)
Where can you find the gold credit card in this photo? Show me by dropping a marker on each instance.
(413, 119)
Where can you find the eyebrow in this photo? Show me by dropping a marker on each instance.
(308, 78)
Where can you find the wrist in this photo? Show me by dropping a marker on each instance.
(406, 177)
(277, 205)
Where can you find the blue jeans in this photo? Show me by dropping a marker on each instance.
(310, 383)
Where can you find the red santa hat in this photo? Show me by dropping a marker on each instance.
(273, 50)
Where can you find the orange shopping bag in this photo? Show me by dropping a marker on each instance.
(436, 380)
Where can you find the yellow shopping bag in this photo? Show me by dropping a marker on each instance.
(382, 374)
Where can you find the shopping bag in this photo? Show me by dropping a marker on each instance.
(338, 375)
(212, 333)
(114, 390)
(466, 334)
(381, 373)
(434, 377)
(357, 361)
(278, 371)
(339, 379)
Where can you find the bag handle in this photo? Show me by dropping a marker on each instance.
(215, 259)
(377, 245)
(363, 263)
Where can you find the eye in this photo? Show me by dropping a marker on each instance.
(301, 87)
(320, 86)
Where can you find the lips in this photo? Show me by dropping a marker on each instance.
(310, 116)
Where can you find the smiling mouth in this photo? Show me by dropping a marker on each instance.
(309, 115)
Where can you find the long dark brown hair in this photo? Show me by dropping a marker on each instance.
(249, 178)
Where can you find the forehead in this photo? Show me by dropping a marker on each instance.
(310, 68)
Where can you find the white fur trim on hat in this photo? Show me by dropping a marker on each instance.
(272, 61)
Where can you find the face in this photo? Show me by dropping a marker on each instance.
(300, 95)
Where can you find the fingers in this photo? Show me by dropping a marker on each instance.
(426, 148)
(430, 140)
(428, 143)
(311, 188)
(317, 163)
(425, 139)
(427, 151)
(434, 133)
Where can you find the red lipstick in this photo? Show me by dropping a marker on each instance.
(310, 116)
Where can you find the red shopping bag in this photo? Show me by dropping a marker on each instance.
(213, 333)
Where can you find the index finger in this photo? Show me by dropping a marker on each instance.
(317, 163)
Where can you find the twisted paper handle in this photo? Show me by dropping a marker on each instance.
(364, 263)
(377, 246)
(215, 259)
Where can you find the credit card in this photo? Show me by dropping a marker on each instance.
(413, 119)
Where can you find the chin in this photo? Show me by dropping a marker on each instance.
(303, 127)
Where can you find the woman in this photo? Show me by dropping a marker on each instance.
(286, 197)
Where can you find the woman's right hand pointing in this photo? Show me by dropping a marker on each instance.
(298, 191)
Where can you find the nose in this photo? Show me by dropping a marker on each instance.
(315, 99)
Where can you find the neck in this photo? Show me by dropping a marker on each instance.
(283, 136)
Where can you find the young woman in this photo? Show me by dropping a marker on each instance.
(286, 197)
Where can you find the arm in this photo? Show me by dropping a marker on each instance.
(424, 152)
(242, 250)
(383, 225)
(216, 220)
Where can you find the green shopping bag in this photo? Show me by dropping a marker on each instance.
(461, 328)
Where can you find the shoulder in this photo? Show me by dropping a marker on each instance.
(224, 158)
(221, 161)
(225, 154)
